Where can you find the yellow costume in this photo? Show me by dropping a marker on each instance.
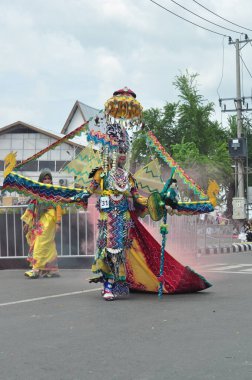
(40, 223)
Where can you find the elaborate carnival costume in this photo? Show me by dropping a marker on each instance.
(127, 256)
(41, 220)
(115, 223)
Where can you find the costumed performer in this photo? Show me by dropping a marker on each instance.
(127, 256)
(42, 221)
(115, 186)
(115, 222)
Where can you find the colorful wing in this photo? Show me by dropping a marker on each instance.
(194, 208)
(159, 149)
(50, 194)
(149, 177)
(82, 165)
(156, 207)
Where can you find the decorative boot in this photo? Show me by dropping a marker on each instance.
(121, 289)
(107, 292)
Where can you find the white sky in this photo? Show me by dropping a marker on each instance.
(55, 52)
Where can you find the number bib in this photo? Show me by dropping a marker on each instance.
(104, 202)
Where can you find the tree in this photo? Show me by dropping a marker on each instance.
(162, 123)
(188, 133)
(194, 116)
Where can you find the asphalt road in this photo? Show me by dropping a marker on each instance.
(61, 329)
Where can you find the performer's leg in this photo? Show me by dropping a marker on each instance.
(108, 290)
(121, 287)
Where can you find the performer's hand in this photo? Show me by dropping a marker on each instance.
(168, 208)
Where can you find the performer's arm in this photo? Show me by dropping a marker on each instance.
(138, 198)
(96, 181)
(140, 202)
(82, 197)
(29, 215)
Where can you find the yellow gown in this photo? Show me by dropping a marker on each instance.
(41, 221)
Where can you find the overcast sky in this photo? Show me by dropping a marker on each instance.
(56, 52)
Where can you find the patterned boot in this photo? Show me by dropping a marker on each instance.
(121, 289)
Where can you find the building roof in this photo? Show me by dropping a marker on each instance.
(86, 112)
(20, 126)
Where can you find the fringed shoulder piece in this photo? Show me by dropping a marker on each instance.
(93, 172)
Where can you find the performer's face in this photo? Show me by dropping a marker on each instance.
(121, 159)
(47, 179)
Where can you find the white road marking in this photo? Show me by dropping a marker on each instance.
(237, 266)
(246, 270)
(236, 269)
(212, 265)
(226, 272)
(48, 297)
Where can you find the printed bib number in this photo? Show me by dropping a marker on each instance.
(104, 202)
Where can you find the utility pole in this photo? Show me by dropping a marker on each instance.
(240, 179)
(238, 146)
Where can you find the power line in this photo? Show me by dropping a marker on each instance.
(240, 26)
(222, 69)
(193, 23)
(205, 19)
(246, 67)
(243, 59)
(242, 76)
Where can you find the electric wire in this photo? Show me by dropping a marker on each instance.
(246, 67)
(205, 19)
(222, 69)
(193, 23)
(245, 63)
(240, 26)
(242, 76)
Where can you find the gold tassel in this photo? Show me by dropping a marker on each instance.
(9, 163)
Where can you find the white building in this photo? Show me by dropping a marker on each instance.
(79, 114)
(26, 140)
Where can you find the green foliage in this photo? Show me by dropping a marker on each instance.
(187, 153)
(161, 123)
(232, 126)
(194, 116)
(188, 132)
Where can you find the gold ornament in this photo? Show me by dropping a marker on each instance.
(123, 105)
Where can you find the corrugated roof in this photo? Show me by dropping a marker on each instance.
(57, 136)
(90, 112)
(87, 112)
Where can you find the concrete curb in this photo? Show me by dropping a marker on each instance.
(242, 247)
(234, 248)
